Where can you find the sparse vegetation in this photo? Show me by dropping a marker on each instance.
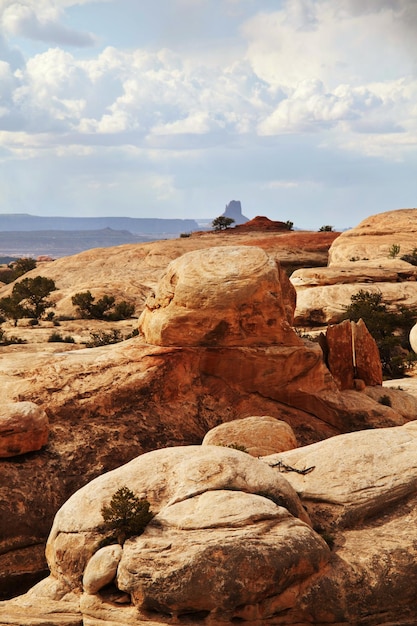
(234, 446)
(106, 308)
(57, 337)
(126, 516)
(385, 400)
(326, 229)
(104, 338)
(29, 298)
(410, 258)
(394, 251)
(222, 223)
(22, 266)
(389, 328)
(289, 225)
(16, 268)
(7, 341)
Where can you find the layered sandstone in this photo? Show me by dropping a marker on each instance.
(361, 258)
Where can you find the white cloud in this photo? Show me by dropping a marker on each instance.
(40, 21)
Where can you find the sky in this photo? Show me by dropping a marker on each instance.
(304, 110)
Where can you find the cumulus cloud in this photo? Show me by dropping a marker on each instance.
(41, 21)
(312, 67)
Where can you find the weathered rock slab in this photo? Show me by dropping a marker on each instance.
(357, 475)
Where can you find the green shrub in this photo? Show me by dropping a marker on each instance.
(389, 328)
(394, 251)
(126, 516)
(385, 400)
(410, 258)
(326, 229)
(57, 337)
(106, 308)
(104, 338)
(289, 225)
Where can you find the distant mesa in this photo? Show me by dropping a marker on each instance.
(234, 211)
(135, 225)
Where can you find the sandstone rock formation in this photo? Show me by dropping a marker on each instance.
(352, 355)
(360, 259)
(259, 435)
(234, 211)
(24, 428)
(231, 540)
(110, 404)
(246, 300)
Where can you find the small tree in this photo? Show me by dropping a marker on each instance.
(394, 251)
(22, 266)
(289, 225)
(11, 308)
(326, 229)
(88, 308)
(126, 515)
(32, 294)
(222, 223)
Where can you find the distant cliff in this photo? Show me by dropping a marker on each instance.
(135, 225)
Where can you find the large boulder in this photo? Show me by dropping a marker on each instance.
(372, 240)
(258, 435)
(229, 534)
(24, 427)
(237, 296)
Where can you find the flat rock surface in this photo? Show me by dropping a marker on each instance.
(356, 475)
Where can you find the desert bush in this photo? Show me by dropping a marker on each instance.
(106, 308)
(126, 516)
(394, 251)
(326, 229)
(57, 337)
(104, 338)
(289, 225)
(7, 341)
(385, 400)
(389, 328)
(410, 258)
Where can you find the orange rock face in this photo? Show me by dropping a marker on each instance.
(235, 296)
(259, 435)
(353, 354)
(23, 428)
